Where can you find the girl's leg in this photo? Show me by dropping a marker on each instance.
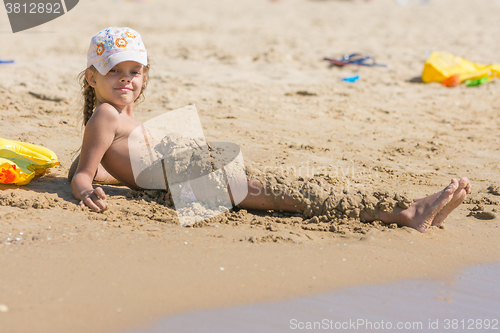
(422, 213)
(259, 199)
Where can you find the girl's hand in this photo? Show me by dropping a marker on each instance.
(95, 200)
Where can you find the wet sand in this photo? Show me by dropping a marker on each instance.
(464, 302)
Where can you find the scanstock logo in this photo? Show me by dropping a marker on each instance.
(26, 14)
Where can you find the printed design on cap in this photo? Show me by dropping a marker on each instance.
(105, 62)
(100, 49)
(109, 43)
(112, 41)
(129, 34)
(121, 42)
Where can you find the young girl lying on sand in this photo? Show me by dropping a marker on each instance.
(117, 76)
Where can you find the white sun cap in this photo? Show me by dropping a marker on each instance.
(113, 45)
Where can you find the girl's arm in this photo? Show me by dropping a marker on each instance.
(101, 176)
(98, 137)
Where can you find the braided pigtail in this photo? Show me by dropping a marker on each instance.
(88, 94)
(89, 102)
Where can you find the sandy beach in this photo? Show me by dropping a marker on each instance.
(255, 71)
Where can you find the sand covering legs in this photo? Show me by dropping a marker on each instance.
(316, 197)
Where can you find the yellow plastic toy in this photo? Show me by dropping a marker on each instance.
(442, 65)
(20, 161)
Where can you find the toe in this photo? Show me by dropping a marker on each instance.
(468, 188)
(463, 195)
(450, 189)
(463, 183)
(424, 227)
(467, 184)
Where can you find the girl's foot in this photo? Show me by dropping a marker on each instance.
(458, 197)
(422, 212)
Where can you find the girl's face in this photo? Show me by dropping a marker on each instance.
(120, 86)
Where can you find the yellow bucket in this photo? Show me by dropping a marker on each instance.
(441, 65)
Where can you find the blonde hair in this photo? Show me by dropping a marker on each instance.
(89, 96)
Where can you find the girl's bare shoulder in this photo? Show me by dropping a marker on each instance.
(106, 111)
(105, 118)
(104, 121)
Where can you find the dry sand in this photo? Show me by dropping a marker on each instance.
(254, 70)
